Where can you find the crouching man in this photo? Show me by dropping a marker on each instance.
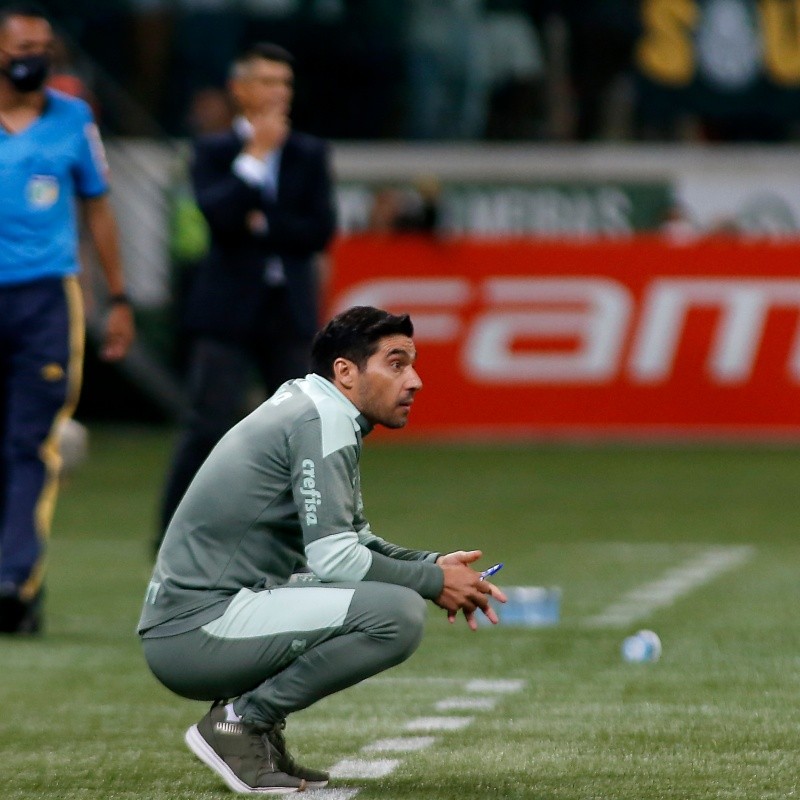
(231, 616)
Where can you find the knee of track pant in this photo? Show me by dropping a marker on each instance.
(409, 611)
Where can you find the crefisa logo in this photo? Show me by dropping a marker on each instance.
(311, 495)
(42, 191)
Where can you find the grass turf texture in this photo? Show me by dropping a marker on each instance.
(715, 718)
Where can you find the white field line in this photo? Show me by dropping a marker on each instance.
(466, 704)
(362, 768)
(400, 744)
(495, 686)
(379, 768)
(422, 679)
(674, 584)
(438, 723)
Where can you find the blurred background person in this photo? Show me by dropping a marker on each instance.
(210, 112)
(413, 209)
(448, 70)
(266, 193)
(66, 76)
(602, 36)
(50, 154)
(206, 35)
(516, 73)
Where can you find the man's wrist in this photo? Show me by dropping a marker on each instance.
(119, 299)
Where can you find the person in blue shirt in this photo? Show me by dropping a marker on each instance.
(50, 157)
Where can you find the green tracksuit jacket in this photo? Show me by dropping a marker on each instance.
(280, 491)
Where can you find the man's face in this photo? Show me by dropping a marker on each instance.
(264, 86)
(385, 388)
(24, 36)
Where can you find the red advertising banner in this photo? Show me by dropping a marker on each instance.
(640, 338)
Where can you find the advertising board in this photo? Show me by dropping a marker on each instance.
(630, 339)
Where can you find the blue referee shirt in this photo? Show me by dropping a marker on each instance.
(42, 169)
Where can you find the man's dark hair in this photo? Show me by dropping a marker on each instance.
(354, 335)
(262, 50)
(33, 10)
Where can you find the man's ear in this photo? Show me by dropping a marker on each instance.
(344, 372)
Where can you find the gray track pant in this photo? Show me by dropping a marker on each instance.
(280, 650)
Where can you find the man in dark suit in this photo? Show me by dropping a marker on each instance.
(266, 193)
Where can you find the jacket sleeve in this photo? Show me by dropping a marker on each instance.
(223, 197)
(326, 493)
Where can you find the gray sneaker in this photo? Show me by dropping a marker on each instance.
(314, 778)
(240, 754)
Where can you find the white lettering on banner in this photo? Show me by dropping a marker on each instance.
(433, 326)
(744, 303)
(595, 314)
(546, 211)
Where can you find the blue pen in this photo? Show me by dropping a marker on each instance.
(491, 571)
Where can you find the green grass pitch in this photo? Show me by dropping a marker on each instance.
(716, 717)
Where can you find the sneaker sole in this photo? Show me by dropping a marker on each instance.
(201, 748)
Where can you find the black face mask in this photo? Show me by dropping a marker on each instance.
(28, 73)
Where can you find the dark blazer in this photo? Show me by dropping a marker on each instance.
(228, 287)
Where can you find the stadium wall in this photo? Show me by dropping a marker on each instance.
(575, 292)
